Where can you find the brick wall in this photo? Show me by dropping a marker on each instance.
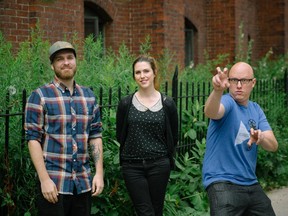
(57, 19)
(14, 20)
(174, 28)
(134, 20)
(245, 26)
(270, 24)
(286, 25)
(221, 28)
(195, 12)
(217, 23)
(147, 18)
(118, 30)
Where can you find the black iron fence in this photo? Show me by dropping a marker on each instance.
(190, 98)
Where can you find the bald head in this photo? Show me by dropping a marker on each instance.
(243, 82)
(241, 68)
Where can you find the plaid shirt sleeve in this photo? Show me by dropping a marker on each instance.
(96, 124)
(34, 118)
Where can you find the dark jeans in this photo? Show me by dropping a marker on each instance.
(67, 205)
(227, 199)
(146, 183)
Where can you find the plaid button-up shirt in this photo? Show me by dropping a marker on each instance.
(63, 123)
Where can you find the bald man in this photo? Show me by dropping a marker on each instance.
(237, 128)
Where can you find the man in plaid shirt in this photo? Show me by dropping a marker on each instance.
(63, 127)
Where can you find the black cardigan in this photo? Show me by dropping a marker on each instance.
(171, 122)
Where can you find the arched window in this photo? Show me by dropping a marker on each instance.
(95, 19)
(190, 43)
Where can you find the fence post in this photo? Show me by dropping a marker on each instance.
(286, 86)
(6, 151)
(175, 85)
(7, 184)
(24, 93)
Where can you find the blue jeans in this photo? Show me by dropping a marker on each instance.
(227, 199)
(146, 182)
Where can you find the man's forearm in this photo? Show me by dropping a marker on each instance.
(212, 105)
(269, 142)
(36, 155)
(97, 154)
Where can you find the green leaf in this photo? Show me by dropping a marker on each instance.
(191, 134)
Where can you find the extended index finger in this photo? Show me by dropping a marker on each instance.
(224, 73)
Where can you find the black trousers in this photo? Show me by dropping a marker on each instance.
(146, 182)
(67, 205)
(227, 199)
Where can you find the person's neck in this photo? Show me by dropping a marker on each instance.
(147, 93)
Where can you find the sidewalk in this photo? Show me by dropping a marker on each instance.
(279, 198)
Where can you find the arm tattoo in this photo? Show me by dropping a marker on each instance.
(95, 150)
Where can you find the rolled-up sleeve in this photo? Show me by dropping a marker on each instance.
(96, 124)
(34, 118)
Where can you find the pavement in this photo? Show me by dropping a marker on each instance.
(279, 199)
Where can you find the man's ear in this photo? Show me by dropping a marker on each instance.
(254, 82)
(52, 67)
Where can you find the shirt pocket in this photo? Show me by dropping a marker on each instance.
(84, 115)
(55, 117)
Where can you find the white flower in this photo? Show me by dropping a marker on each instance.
(12, 90)
(191, 65)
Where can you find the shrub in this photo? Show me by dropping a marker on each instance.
(30, 68)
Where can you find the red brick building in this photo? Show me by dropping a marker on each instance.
(187, 27)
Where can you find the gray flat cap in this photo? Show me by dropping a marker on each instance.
(58, 46)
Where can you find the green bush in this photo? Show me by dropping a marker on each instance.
(30, 68)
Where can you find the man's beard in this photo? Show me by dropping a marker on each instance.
(64, 75)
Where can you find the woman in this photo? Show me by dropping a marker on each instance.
(146, 128)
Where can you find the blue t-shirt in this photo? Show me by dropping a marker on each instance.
(227, 156)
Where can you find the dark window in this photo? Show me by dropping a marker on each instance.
(95, 19)
(190, 43)
(91, 26)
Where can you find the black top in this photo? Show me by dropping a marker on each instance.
(146, 135)
(170, 120)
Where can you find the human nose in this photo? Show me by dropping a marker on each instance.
(239, 81)
(66, 61)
